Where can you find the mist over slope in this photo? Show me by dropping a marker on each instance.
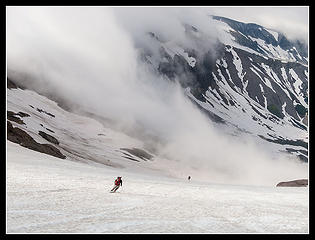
(167, 84)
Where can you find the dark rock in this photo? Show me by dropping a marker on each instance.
(130, 158)
(303, 158)
(22, 114)
(10, 113)
(19, 136)
(41, 110)
(292, 150)
(50, 130)
(48, 137)
(11, 116)
(300, 153)
(286, 141)
(11, 84)
(294, 183)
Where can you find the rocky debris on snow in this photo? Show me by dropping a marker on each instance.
(41, 110)
(130, 157)
(50, 130)
(301, 154)
(22, 114)
(47, 128)
(137, 152)
(17, 135)
(12, 116)
(294, 183)
(48, 137)
(283, 141)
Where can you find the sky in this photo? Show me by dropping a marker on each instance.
(88, 57)
(293, 21)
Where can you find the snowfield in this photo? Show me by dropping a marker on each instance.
(50, 195)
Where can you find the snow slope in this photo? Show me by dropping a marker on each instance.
(50, 195)
(81, 138)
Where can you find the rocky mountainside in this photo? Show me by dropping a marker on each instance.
(250, 82)
(38, 123)
(246, 78)
(253, 79)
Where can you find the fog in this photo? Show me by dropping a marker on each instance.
(90, 58)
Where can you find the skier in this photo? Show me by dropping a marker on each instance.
(189, 178)
(118, 183)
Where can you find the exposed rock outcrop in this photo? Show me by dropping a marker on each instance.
(17, 135)
(12, 117)
(294, 183)
(43, 111)
(11, 84)
(48, 137)
(22, 114)
(47, 128)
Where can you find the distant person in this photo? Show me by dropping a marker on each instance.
(118, 183)
(189, 178)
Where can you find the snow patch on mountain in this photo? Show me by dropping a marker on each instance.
(297, 87)
(274, 52)
(273, 33)
(263, 93)
(80, 138)
(173, 49)
(224, 36)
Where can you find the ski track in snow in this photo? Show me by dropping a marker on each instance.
(51, 195)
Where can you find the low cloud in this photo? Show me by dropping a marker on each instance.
(291, 21)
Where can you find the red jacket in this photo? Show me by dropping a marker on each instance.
(118, 182)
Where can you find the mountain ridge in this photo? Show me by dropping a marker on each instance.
(249, 78)
(233, 84)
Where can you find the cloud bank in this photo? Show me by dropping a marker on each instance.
(89, 56)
